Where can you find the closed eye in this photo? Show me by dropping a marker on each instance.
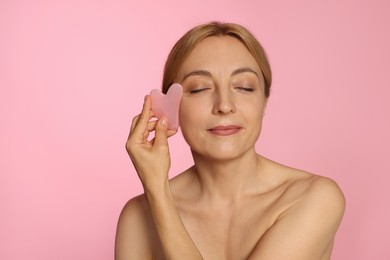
(245, 89)
(194, 91)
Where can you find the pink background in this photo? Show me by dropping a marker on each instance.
(74, 73)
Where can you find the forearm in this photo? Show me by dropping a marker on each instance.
(175, 240)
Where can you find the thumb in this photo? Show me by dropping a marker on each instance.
(161, 138)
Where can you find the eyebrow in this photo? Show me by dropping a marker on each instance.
(208, 74)
(243, 70)
(198, 73)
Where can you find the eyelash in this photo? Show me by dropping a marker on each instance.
(194, 91)
(245, 89)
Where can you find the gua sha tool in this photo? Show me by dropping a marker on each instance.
(167, 105)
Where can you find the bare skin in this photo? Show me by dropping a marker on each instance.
(233, 203)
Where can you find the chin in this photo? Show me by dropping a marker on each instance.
(222, 154)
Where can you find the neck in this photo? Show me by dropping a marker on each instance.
(228, 180)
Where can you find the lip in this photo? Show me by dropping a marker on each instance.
(225, 130)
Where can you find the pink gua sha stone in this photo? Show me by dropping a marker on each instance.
(167, 105)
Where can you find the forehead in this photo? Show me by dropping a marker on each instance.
(219, 53)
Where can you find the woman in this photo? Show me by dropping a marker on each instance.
(233, 203)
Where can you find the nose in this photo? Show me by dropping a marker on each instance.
(223, 102)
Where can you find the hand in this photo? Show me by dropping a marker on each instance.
(151, 158)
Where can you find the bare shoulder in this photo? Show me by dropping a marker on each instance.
(311, 209)
(304, 187)
(320, 197)
(318, 190)
(134, 231)
(326, 190)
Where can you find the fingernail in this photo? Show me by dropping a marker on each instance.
(164, 121)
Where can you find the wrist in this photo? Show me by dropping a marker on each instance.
(157, 192)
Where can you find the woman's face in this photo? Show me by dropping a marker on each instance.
(223, 101)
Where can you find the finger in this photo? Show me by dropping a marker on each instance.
(141, 123)
(152, 114)
(145, 134)
(161, 136)
(171, 132)
(134, 122)
(152, 125)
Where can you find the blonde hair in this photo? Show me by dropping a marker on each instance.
(188, 42)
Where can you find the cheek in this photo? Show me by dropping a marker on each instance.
(252, 108)
(183, 114)
(191, 112)
(190, 121)
(187, 115)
